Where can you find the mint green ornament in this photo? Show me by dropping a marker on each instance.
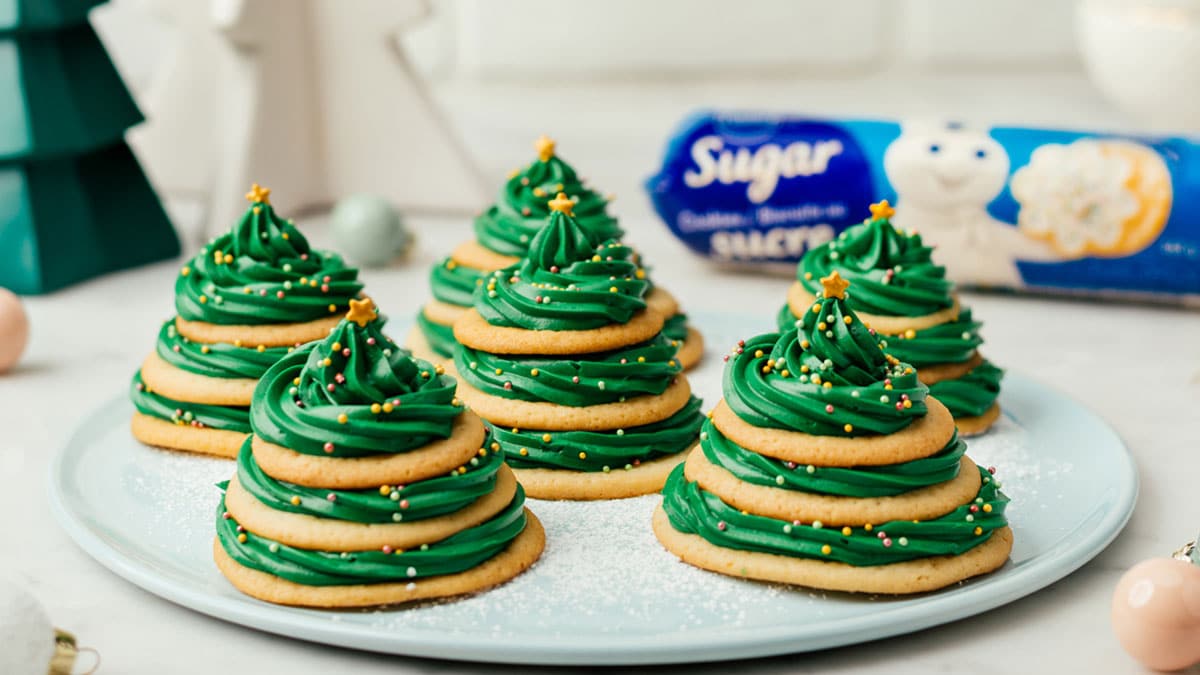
(368, 231)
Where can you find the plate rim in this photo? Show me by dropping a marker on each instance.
(663, 648)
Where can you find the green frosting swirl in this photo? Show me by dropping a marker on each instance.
(457, 553)
(600, 450)
(676, 327)
(439, 337)
(225, 417)
(825, 377)
(454, 283)
(950, 342)
(218, 359)
(891, 272)
(693, 510)
(388, 504)
(972, 394)
(590, 379)
(564, 283)
(510, 225)
(354, 394)
(262, 272)
(874, 481)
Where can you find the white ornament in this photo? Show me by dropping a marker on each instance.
(28, 635)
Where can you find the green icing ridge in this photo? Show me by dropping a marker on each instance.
(892, 272)
(692, 510)
(354, 394)
(860, 482)
(509, 225)
(454, 283)
(224, 417)
(262, 272)
(590, 379)
(601, 450)
(219, 359)
(827, 376)
(676, 327)
(951, 342)
(565, 282)
(457, 553)
(388, 504)
(972, 394)
(439, 337)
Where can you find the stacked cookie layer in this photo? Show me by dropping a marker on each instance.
(563, 357)
(247, 299)
(903, 295)
(828, 465)
(367, 483)
(503, 234)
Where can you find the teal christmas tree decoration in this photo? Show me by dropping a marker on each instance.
(74, 202)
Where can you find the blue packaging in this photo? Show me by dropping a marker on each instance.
(1007, 207)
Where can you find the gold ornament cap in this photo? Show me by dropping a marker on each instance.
(562, 203)
(545, 147)
(882, 210)
(66, 655)
(258, 194)
(835, 286)
(362, 312)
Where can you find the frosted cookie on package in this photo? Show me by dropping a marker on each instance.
(368, 483)
(1105, 198)
(829, 465)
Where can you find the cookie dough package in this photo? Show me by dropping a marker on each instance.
(1007, 207)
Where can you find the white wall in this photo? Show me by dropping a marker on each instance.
(521, 39)
(535, 39)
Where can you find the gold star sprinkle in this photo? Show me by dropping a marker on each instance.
(562, 203)
(882, 211)
(259, 194)
(545, 147)
(835, 286)
(361, 312)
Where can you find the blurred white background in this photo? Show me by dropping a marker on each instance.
(610, 80)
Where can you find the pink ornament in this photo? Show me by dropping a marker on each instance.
(1156, 613)
(14, 329)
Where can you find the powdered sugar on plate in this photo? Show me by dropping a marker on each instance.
(605, 591)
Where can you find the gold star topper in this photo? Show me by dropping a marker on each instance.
(259, 194)
(882, 211)
(562, 203)
(835, 286)
(545, 147)
(362, 312)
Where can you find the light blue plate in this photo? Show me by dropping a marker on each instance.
(605, 592)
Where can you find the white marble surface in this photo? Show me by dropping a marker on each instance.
(1137, 366)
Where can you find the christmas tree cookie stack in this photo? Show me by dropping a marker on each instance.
(828, 465)
(503, 233)
(367, 483)
(902, 294)
(562, 356)
(247, 299)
